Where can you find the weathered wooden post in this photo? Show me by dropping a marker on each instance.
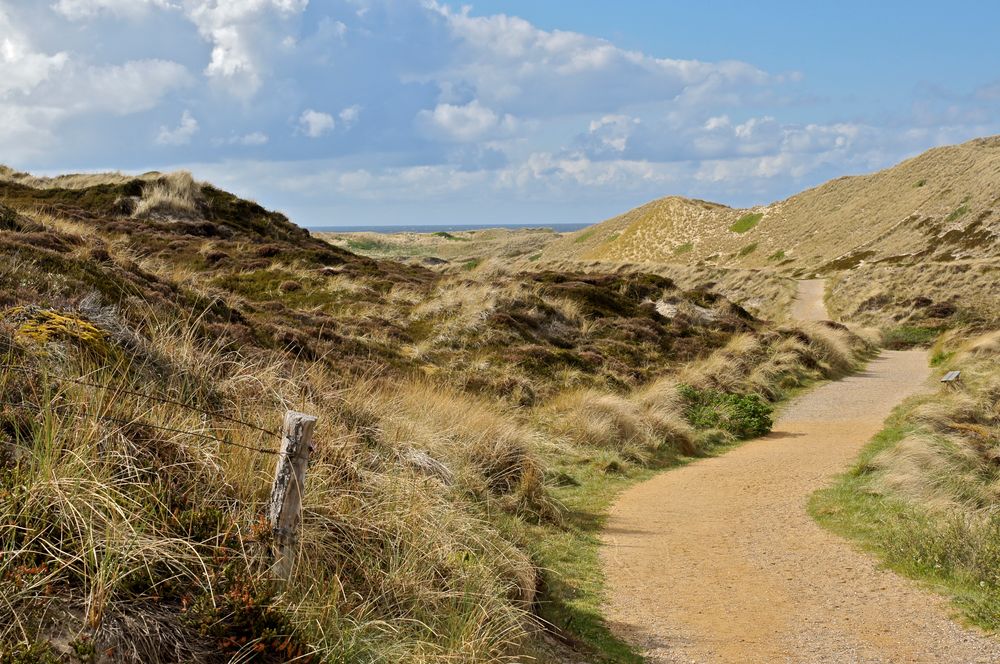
(285, 509)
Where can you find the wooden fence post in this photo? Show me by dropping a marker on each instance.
(285, 509)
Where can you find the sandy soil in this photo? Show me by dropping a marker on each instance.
(718, 561)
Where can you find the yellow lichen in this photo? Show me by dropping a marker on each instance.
(43, 326)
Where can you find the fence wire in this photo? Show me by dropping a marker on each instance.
(151, 397)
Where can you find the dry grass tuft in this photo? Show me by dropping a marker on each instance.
(173, 195)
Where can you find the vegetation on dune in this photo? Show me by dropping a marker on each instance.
(746, 222)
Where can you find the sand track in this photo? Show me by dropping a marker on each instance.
(718, 561)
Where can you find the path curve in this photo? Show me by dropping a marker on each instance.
(718, 561)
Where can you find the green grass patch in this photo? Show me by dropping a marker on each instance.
(367, 246)
(777, 256)
(471, 265)
(919, 183)
(746, 222)
(749, 249)
(683, 249)
(940, 357)
(957, 213)
(954, 556)
(585, 235)
(909, 336)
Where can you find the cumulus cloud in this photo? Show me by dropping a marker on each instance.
(131, 87)
(82, 9)
(315, 124)
(237, 30)
(253, 139)
(181, 134)
(350, 116)
(466, 123)
(22, 69)
(512, 64)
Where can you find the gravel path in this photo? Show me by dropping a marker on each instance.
(718, 561)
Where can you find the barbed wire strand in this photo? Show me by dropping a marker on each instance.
(151, 397)
(139, 423)
(182, 432)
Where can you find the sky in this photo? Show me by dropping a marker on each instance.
(383, 112)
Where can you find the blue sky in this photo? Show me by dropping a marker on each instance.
(350, 112)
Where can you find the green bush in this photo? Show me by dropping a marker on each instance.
(743, 415)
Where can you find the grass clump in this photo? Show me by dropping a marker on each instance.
(746, 222)
(777, 256)
(747, 250)
(683, 248)
(957, 213)
(174, 195)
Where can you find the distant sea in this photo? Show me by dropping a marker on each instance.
(436, 228)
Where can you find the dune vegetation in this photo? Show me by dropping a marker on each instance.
(473, 423)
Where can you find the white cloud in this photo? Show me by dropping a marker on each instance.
(26, 132)
(132, 87)
(252, 139)
(512, 64)
(21, 68)
(237, 30)
(83, 9)
(350, 116)
(315, 124)
(463, 124)
(181, 134)
(255, 138)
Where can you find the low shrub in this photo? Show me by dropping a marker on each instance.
(742, 415)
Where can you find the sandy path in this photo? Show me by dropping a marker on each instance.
(718, 561)
(808, 305)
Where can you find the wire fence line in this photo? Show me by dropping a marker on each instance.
(151, 397)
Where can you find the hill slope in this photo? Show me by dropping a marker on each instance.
(942, 205)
